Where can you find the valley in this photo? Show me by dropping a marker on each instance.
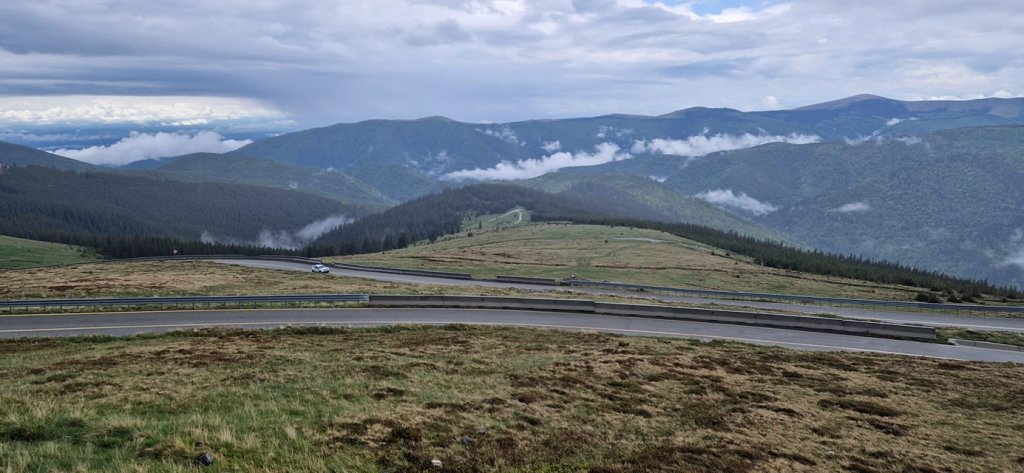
(469, 236)
(862, 198)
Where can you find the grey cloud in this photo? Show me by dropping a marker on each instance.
(707, 69)
(587, 6)
(327, 61)
(443, 32)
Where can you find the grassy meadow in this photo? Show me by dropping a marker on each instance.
(487, 399)
(20, 253)
(618, 254)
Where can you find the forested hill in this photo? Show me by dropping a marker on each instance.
(435, 215)
(658, 202)
(211, 167)
(17, 155)
(948, 201)
(436, 146)
(48, 204)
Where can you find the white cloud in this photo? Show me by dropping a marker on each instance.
(853, 207)
(700, 145)
(741, 201)
(165, 110)
(314, 230)
(530, 168)
(552, 146)
(909, 140)
(659, 178)
(154, 145)
(504, 134)
(1015, 259)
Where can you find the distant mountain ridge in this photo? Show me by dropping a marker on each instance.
(935, 184)
(435, 146)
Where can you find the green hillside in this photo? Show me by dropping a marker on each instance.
(949, 201)
(624, 254)
(662, 203)
(435, 215)
(399, 183)
(20, 253)
(211, 167)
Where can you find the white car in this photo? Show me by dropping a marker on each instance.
(319, 268)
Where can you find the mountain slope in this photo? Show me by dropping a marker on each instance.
(635, 195)
(948, 201)
(17, 155)
(398, 182)
(43, 203)
(430, 145)
(211, 167)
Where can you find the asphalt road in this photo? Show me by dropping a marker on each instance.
(131, 323)
(917, 318)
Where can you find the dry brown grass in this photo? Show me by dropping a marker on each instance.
(171, 278)
(482, 399)
(594, 252)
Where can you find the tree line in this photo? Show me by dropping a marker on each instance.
(782, 256)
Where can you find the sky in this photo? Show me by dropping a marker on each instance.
(235, 65)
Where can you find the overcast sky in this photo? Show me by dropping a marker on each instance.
(316, 62)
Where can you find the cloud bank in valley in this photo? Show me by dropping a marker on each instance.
(530, 168)
(1016, 259)
(740, 201)
(282, 238)
(139, 146)
(700, 145)
(694, 146)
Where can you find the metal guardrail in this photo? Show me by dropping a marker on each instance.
(780, 321)
(164, 301)
(408, 272)
(791, 322)
(790, 298)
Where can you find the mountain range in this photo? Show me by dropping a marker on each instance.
(934, 184)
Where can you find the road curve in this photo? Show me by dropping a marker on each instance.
(917, 318)
(130, 323)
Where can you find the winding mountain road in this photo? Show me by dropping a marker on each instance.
(130, 323)
(917, 318)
